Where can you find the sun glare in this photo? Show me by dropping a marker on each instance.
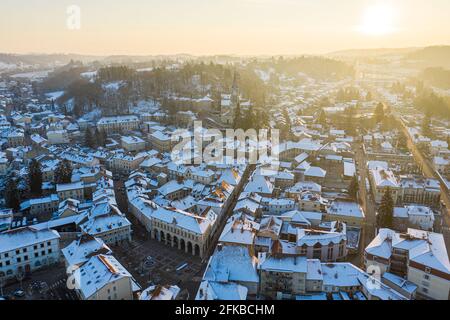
(378, 20)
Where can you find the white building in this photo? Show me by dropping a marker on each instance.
(58, 137)
(382, 179)
(105, 221)
(102, 277)
(25, 250)
(79, 251)
(118, 123)
(414, 216)
(132, 143)
(418, 256)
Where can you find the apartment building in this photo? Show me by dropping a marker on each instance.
(58, 136)
(40, 206)
(132, 143)
(160, 141)
(118, 124)
(301, 278)
(74, 190)
(419, 190)
(26, 249)
(417, 256)
(380, 180)
(413, 216)
(102, 277)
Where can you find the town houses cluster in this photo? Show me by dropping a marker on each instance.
(335, 214)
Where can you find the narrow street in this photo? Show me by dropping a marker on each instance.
(427, 169)
(215, 237)
(366, 201)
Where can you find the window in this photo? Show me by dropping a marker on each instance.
(17, 251)
(19, 260)
(43, 253)
(36, 254)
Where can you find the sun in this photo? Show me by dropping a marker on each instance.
(378, 20)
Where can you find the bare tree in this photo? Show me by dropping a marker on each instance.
(20, 276)
(2, 284)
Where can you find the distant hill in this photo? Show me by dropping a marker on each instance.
(40, 60)
(438, 77)
(437, 56)
(354, 53)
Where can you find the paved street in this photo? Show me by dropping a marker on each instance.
(52, 286)
(367, 203)
(152, 262)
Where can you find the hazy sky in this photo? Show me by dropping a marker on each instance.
(221, 26)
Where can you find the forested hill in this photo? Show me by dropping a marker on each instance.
(437, 77)
(315, 67)
(438, 56)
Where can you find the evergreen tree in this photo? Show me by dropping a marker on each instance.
(288, 121)
(349, 121)
(248, 121)
(402, 143)
(237, 121)
(322, 119)
(426, 125)
(379, 113)
(263, 119)
(63, 172)
(12, 195)
(353, 188)
(100, 136)
(89, 138)
(35, 177)
(386, 211)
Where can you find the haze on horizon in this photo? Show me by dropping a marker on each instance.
(247, 27)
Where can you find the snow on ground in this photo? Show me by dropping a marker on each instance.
(7, 66)
(34, 75)
(145, 106)
(113, 86)
(69, 104)
(144, 69)
(93, 115)
(54, 95)
(90, 75)
(263, 74)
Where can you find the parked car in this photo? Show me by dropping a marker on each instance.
(19, 293)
